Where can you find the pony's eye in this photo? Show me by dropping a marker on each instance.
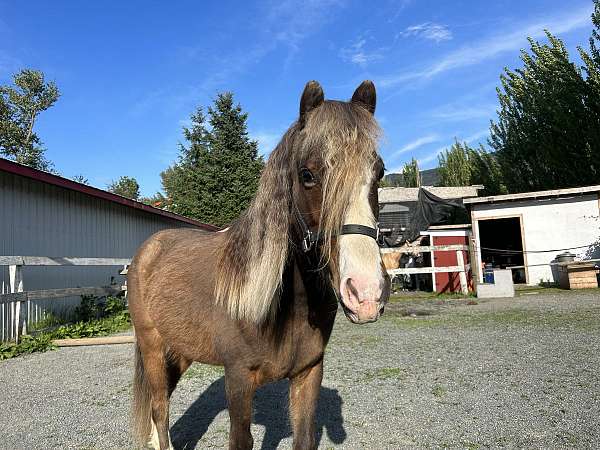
(381, 173)
(307, 178)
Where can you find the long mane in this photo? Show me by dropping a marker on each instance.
(343, 136)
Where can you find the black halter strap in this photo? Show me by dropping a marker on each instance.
(312, 237)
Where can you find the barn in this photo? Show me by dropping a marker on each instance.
(526, 232)
(48, 215)
(397, 204)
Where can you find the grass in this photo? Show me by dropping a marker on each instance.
(439, 391)
(420, 295)
(203, 371)
(527, 290)
(580, 319)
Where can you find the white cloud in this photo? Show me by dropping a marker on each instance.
(399, 7)
(458, 113)
(509, 40)
(356, 53)
(289, 23)
(279, 24)
(428, 30)
(419, 142)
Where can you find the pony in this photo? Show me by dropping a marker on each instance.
(261, 296)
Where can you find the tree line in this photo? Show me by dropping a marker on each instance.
(213, 180)
(546, 135)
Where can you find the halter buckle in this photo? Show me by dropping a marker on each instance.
(307, 241)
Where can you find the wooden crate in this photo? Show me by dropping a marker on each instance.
(582, 276)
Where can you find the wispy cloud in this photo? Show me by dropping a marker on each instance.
(428, 30)
(459, 113)
(289, 23)
(398, 8)
(282, 24)
(358, 54)
(509, 40)
(413, 145)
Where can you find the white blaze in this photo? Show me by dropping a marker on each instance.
(360, 258)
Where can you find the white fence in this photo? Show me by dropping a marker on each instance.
(461, 268)
(19, 308)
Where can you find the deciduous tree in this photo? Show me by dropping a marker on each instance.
(548, 130)
(20, 106)
(411, 177)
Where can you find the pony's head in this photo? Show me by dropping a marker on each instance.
(322, 176)
(337, 174)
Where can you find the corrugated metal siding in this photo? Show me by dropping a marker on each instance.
(38, 219)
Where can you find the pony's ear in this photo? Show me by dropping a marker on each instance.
(311, 98)
(365, 96)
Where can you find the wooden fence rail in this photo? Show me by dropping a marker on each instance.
(19, 300)
(461, 268)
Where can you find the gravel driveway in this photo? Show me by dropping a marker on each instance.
(514, 373)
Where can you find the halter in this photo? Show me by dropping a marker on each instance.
(313, 237)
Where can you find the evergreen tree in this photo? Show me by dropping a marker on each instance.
(125, 187)
(19, 107)
(411, 176)
(218, 170)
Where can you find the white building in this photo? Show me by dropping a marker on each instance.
(529, 230)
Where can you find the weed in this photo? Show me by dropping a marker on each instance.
(47, 322)
(198, 370)
(114, 318)
(87, 309)
(438, 391)
(28, 344)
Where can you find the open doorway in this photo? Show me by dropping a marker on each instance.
(501, 244)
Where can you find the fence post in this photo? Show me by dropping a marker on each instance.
(462, 275)
(15, 273)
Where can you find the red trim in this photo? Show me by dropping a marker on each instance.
(45, 177)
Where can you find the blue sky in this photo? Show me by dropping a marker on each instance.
(131, 72)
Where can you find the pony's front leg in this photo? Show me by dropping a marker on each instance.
(304, 395)
(239, 388)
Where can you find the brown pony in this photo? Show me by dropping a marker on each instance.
(260, 298)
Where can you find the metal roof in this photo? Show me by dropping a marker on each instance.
(402, 194)
(534, 195)
(45, 177)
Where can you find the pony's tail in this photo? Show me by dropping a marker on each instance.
(141, 412)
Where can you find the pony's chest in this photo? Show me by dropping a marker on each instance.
(303, 349)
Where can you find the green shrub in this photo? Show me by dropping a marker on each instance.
(93, 320)
(28, 344)
(87, 309)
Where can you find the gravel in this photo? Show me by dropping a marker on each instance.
(511, 373)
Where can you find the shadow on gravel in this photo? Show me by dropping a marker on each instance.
(270, 409)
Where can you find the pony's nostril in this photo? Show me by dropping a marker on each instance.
(352, 289)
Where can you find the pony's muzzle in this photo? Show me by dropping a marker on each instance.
(363, 298)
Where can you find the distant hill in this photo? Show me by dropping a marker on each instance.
(429, 177)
